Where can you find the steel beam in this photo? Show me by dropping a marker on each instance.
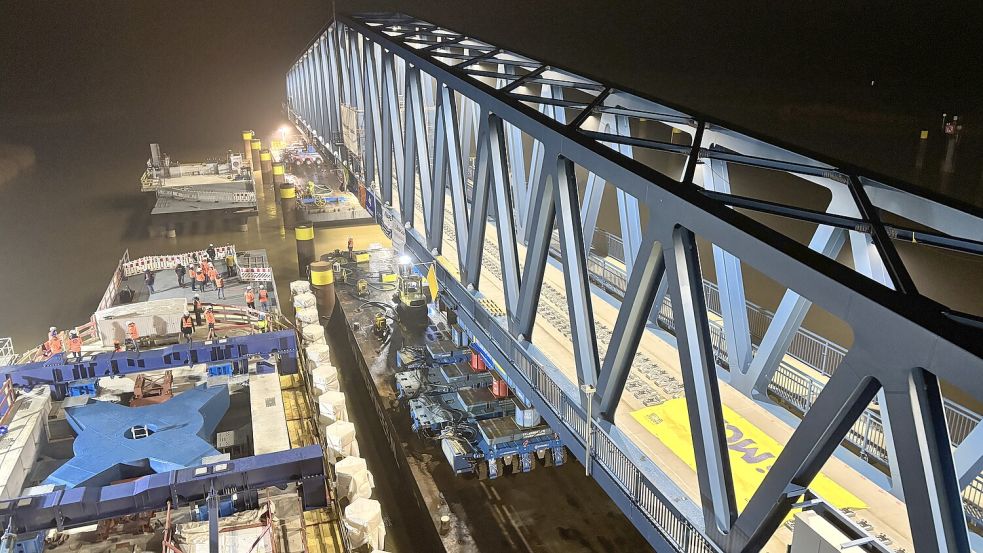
(788, 318)
(844, 397)
(928, 478)
(575, 276)
(641, 294)
(75, 507)
(730, 281)
(700, 382)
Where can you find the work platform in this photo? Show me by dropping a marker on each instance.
(202, 446)
(222, 190)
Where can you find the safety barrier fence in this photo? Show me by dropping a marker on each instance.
(109, 296)
(161, 262)
(213, 196)
(6, 401)
(7, 353)
(149, 181)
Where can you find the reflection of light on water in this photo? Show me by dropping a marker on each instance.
(14, 159)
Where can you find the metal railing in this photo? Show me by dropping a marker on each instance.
(7, 353)
(792, 387)
(651, 502)
(212, 196)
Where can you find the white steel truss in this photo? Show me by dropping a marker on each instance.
(405, 75)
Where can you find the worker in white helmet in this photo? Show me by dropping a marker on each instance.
(250, 298)
(210, 319)
(187, 326)
(264, 299)
(74, 345)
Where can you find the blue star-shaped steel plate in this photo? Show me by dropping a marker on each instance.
(115, 442)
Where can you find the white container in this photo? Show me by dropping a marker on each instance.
(363, 518)
(325, 378)
(332, 406)
(298, 287)
(339, 440)
(305, 299)
(306, 315)
(313, 334)
(318, 354)
(354, 479)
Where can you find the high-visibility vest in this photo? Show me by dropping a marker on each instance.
(263, 296)
(75, 344)
(212, 273)
(197, 305)
(133, 332)
(200, 276)
(250, 297)
(219, 282)
(210, 317)
(54, 345)
(187, 322)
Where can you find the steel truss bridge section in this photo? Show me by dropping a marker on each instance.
(396, 71)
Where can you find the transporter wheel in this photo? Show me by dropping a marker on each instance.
(482, 470)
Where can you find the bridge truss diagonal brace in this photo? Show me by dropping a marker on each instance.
(575, 276)
(542, 217)
(642, 293)
(416, 159)
(926, 470)
(842, 400)
(700, 381)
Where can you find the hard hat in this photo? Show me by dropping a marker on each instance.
(211, 245)
(73, 332)
(186, 313)
(249, 287)
(52, 329)
(209, 308)
(262, 287)
(197, 296)
(130, 323)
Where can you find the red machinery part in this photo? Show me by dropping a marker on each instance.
(499, 388)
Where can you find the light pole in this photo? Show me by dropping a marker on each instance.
(589, 390)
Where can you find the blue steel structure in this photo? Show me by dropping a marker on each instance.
(91, 502)
(58, 372)
(74, 507)
(418, 96)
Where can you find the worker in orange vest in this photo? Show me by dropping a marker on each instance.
(264, 298)
(220, 285)
(53, 345)
(133, 335)
(210, 319)
(75, 345)
(250, 298)
(187, 326)
(206, 269)
(199, 279)
(212, 273)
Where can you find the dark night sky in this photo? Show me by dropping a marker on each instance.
(195, 73)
